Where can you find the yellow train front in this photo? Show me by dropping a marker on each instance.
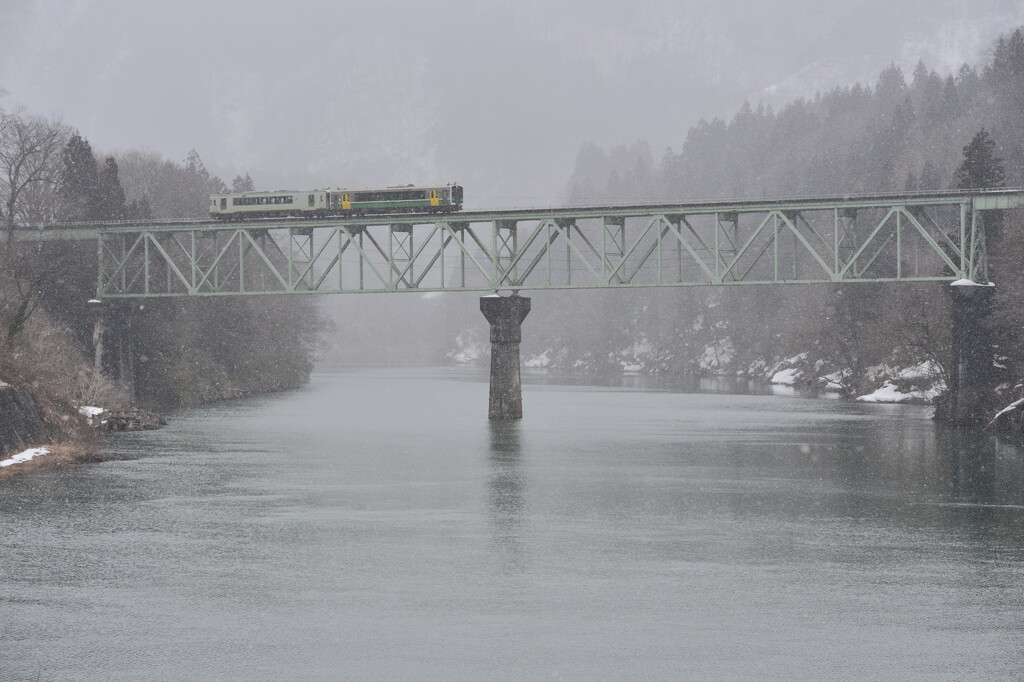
(318, 203)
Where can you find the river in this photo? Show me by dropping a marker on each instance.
(375, 525)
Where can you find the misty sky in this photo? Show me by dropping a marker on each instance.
(496, 95)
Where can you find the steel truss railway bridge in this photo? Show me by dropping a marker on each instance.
(920, 237)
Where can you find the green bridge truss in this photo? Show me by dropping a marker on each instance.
(913, 237)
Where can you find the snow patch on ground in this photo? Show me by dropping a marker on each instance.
(785, 373)
(833, 381)
(24, 456)
(92, 414)
(633, 359)
(924, 379)
(889, 392)
(786, 377)
(542, 361)
(468, 350)
(924, 370)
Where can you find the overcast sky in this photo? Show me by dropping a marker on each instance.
(497, 95)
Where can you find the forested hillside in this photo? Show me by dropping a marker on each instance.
(922, 132)
(159, 353)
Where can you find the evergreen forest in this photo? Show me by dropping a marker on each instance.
(906, 132)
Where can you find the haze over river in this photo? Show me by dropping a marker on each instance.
(375, 525)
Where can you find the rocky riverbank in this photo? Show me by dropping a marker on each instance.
(26, 445)
(21, 427)
(131, 419)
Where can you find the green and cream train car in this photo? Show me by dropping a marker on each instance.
(326, 202)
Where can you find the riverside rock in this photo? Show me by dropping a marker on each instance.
(132, 419)
(20, 424)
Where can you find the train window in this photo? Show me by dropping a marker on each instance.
(223, 203)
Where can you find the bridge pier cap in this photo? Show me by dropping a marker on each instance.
(964, 287)
(506, 315)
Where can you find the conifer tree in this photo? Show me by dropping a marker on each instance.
(981, 168)
(79, 181)
(110, 195)
(240, 184)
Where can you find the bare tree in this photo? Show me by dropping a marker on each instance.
(30, 148)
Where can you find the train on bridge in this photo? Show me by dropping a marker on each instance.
(336, 202)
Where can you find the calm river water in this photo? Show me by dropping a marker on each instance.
(375, 526)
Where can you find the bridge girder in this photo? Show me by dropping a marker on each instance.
(915, 237)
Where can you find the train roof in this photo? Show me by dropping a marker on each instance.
(260, 192)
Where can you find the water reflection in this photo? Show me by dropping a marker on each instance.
(971, 467)
(984, 473)
(690, 383)
(506, 489)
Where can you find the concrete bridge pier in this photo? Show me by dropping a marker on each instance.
(506, 315)
(971, 372)
(113, 324)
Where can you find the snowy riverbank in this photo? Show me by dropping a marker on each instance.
(26, 456)
(922, 383)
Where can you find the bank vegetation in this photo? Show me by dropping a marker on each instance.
(906, 132)
(156, 354)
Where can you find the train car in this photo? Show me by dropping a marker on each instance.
(314, 203)
(267, 204)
